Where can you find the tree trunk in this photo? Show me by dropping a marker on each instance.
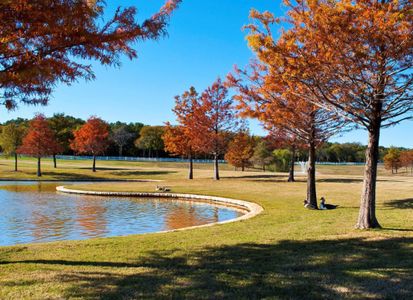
(94, 163)
(191, 167)
(367, 213)
(292, 162)
(39, 171)
(263, 168)
(216, 170)
(120, 150)
(311, 184)
(54, 161)
(15, 162)
(242, 168)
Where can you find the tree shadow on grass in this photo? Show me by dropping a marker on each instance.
(258, 176)
(72, 176)
(142, 173)
(261, 178)
(331, 269)
(400, 204)
(283, 178)
(352, 180)
(58, 175)
(103, 168)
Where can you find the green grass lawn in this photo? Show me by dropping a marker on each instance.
(286, 252)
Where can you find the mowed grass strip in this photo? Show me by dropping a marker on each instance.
(286, 252)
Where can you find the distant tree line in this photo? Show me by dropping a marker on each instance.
(267, 156)
(125, 139)
(235, 144)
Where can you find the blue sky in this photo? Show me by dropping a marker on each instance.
(205, 41)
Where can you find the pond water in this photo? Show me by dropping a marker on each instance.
(34, 212)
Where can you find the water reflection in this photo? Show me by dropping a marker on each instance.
(91, 217)
(34, 212)
(180, 216)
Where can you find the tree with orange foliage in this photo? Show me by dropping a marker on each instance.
(92, 138)
(263, 93)
(214, 119)
(240, 150)
(353, 58)
(179, 144)
(39, 141)
(44, 42)
(180, 140)
(406, 160)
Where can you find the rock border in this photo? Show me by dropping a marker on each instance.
(251, 208)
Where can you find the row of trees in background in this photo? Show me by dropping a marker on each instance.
(239, 148)
(56, 135)
(129, 139)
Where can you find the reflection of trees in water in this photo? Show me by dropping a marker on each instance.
(45, 224)
(91, 218)
(29, 188)
(33, 214)
(180, 216)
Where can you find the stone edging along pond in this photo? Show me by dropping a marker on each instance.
(251, 208)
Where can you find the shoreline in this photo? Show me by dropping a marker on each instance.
(252, 209)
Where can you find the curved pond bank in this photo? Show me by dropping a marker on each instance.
(35, 212)
(250, 209)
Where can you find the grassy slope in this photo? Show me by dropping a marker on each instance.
(286, 252)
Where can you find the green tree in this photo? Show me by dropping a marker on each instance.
(151, 139)
(18, 121)
(63, 127)
(262, 154)
(10, 140)
(282, 158)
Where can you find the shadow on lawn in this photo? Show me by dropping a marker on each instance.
(331, 269)
(72, 176)
(95, 176)
(104, 168)
(400, 204)
(352, 180)
(262, 178)
(143, 173)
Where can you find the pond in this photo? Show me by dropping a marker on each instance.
(33, 212)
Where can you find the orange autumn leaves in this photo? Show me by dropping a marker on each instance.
(45, 42)
(40, 140)
(204, 124)
(240, 150)
(340, 61)
(92, 138)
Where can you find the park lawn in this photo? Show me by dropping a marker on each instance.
(285, 252)
(106, 170)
